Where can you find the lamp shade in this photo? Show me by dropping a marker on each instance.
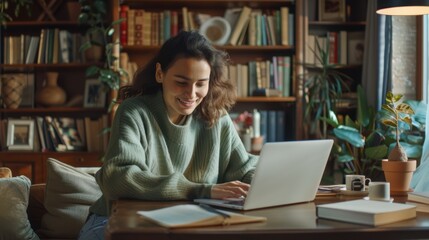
(403, 7)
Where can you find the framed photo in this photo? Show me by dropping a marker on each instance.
(95, 94)
(20, 134)
(332, 10)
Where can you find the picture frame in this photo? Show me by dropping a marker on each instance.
(20, 134)
(95, 94)
(332, 10)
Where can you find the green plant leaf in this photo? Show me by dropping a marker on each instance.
(389, 109)
(414, 139)
(397, 97)
(377, 152)
(404, 108)
(85, 46)
(389, 122)
(362, 114)
(345, 158)
(349, 135)
(83, 18)
(92, 71)
(374, 139)
(110, 32)
(350, 123)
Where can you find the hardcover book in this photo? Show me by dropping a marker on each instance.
(366, 212)
(421, 197)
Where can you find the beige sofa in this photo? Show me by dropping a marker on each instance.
(56, 209)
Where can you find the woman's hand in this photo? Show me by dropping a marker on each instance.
(234, 189)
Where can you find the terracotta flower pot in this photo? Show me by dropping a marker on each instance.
(399, 175)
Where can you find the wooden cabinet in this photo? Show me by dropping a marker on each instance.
(55, 49)
(27, 164)
(240, 54)
(33, 165)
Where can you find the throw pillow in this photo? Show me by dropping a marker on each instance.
(69, 194)
(14, 222)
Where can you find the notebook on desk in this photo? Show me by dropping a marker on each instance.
(287, 173)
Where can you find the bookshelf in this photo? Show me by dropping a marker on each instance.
(342, 35)
(241, 53)
(15, 41)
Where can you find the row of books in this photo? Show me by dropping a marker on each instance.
(61, 134)
(343, 47)
(272, 124)
(51, 46)
(262, 78)
(254, 27)
(147, 28)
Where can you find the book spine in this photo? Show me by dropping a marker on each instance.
(138, 27)
(280, 125)
(284, 15)
(286, 76)
(131, 27)
(264, 124)
(244, 16)
(174, 23)
(271, 129)
(123, 27)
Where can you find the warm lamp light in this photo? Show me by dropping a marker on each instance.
(403, 7)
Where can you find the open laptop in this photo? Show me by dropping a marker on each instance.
(286, 173)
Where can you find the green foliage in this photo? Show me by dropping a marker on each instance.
(99, 33)
(361, 145)
(19, 5)
(324, 86)
(395, 112)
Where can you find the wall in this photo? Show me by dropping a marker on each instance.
(404, 56)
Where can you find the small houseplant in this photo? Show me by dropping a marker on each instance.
(100, 35)
(362, 144)
(398, 169)
(18, 4)
(324, 86)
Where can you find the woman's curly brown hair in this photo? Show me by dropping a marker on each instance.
(221, 95)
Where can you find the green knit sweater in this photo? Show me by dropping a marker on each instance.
(150, 158)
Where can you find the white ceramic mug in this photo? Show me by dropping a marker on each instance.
(379, 191)
(356, 182)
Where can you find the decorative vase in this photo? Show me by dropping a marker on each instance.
(51, 94)
(12, 86)
(399, 175)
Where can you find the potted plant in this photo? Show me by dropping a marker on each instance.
(398, 169)
(361, 145)
(19, 4)
(99, 35)
(324, 86)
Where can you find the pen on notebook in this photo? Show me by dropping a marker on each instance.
(214, 210)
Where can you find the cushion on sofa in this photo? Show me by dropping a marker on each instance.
(14, 222)
(68, 195)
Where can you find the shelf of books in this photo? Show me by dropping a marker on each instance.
(259, 36)
(39, 53)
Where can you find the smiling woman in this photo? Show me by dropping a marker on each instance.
(172, 138)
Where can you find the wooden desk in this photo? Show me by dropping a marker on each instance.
(285, 222)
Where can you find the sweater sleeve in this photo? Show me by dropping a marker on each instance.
(240, 163)
(125, 172)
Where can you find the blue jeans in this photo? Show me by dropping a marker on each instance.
(94, 228)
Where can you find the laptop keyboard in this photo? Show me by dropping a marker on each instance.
(238, 202)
